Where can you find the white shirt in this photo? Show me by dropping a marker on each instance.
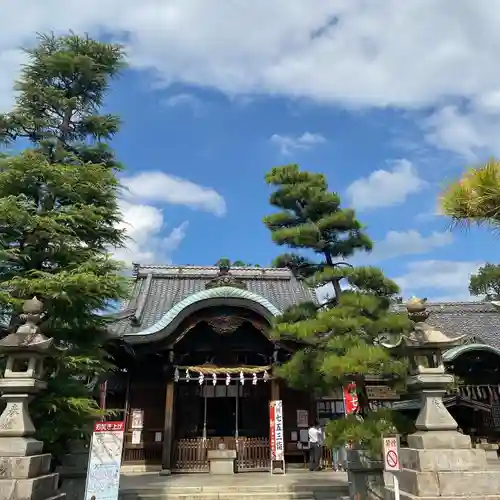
(315, 435)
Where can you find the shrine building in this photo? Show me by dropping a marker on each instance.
(196, 367)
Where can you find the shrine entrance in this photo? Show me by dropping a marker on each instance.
(234, 416)
(223, 389)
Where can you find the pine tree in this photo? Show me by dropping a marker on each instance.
(338, 337)
(58, 216)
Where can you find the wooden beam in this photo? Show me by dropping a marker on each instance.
(168, 429)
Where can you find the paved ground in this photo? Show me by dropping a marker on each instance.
(292, 479)
(240, 482)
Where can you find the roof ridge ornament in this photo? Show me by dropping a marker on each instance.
(225, 278)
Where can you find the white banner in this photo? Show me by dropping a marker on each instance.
(103, 473)
(276, 431)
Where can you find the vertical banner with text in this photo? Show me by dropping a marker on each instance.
(103, 473)
(276, 435)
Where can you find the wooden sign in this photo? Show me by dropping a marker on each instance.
(383, 392)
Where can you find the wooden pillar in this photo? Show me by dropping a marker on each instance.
(275, 389)
(168, 427)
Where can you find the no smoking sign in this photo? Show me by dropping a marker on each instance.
(391, 453)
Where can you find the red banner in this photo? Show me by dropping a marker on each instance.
(351, 403)
(109, 426)
(272, 430)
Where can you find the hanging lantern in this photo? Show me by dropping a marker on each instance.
(266, 376)
(228, 378)
(176, 375)
(188, 376)
(242, 378)
(214, 378)
(201, 378)
(254, 379)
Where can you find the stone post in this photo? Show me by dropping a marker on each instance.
(440, 461)
(73, 470)
(365, 476)
(24, 468)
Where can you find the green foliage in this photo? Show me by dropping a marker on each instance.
(486, 282)
(368, 431)
(58, 218)
(225, 262)
(339, 338)
(301, 266)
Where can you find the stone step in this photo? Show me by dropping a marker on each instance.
(284, 495)
(296, 492)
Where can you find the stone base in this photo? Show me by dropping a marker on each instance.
(444, 465)
(443, 460)
(36, 488)
(439, 440)
(450, 484)
(406, 496)
(222, 461)
(20, 447)
(24, 467)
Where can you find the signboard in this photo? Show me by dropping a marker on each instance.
(383, 392)
(103, 473)
(276, 440)
(351, 403)
(391, 453)
(302, 418)
(137, 419)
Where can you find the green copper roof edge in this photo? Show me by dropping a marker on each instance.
(212, 293)
(454, 352)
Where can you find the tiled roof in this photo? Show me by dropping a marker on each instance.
(159, 288)
(480, 321)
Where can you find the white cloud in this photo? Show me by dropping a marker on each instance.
(144, 226)
(288, 144)
(149, 238)
(391, 53)
(411, 242)
(337, 52)
(438, 279)
(184, 100)
(468, 132)
(160, 187)
(385, 188)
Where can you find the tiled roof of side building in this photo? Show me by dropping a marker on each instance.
(158, 289)
(480, 321)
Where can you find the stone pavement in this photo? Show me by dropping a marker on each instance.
(327, 485)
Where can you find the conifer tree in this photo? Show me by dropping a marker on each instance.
(338, 337)
(486, 282)
(58, 216)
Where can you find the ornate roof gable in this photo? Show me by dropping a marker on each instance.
(225, 278)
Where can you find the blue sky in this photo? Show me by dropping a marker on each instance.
(378, 101)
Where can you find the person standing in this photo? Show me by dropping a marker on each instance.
(316, 439)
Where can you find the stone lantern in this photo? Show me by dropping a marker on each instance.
(439, 461)
(24, 470)
(424, 348)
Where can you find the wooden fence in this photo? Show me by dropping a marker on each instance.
(190, 455)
